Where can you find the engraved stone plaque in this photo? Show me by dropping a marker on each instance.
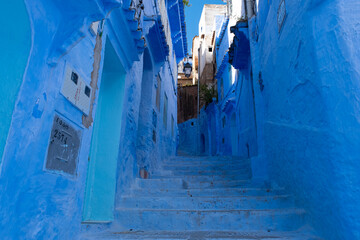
(63, 149)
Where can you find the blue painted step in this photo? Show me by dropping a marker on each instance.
(206, 161)
(238, 176)
(206, 158)
(206, 172)
(206, 198)
(209, 192)
(206, 166)
(221, 203)
(231, 219)
(191, 183)
(203, 235)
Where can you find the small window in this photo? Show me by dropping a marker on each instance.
(210, 49)
(223, 122)
(87, 91)
(74, 77)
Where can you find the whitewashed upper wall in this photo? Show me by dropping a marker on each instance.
(206, 24)
(238, 9)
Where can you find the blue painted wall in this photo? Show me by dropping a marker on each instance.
(297, 108)
(39, 204)
(309, 109)
(188, 137)
(15, 47)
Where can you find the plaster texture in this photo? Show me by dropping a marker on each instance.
(308, 113)
(37, 203)
(295, 105)
(12, 65)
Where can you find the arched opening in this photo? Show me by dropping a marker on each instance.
(146, 128)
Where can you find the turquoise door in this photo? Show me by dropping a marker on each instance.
(101, 178)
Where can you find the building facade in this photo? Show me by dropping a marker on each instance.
(211, 17)
(287, 99)
(187, 99)
(90, 106)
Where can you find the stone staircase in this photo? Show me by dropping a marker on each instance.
(206, 198)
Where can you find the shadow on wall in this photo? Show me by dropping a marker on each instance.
(144, 135)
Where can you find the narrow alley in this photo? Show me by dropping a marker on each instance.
(180, 119)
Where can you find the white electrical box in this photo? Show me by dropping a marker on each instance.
(76, 90)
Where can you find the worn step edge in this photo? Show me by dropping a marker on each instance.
(244, 202)
(205, 163)
(242, 176)
(215, 190)
(231, 211)
(206, 235)
(232, 220)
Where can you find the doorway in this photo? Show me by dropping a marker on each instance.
(104, 149)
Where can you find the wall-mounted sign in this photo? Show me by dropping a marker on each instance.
(281, 14)
(64, 145)
(76, 90)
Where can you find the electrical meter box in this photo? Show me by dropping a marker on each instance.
(76, 90)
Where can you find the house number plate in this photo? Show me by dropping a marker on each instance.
(63, 148)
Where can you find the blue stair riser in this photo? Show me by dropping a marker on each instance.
(206, 160)
(224, 192)
(207, 167)
(236, 176)
(245, 220)
(194, 172)
(245, 176)
(203, 235)
(186, 184)
(241, 203)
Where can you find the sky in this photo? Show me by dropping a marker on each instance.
(192, 18)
